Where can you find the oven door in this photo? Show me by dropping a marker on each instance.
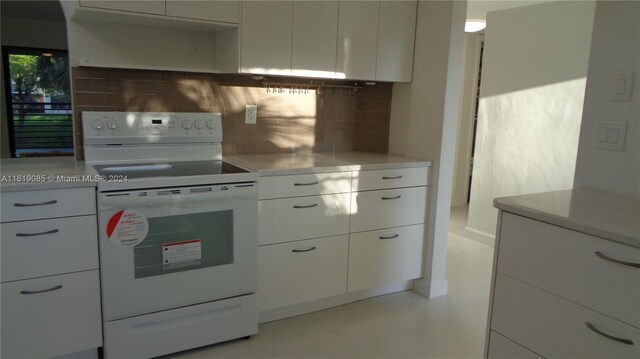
(168, 248)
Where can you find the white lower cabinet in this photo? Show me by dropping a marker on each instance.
(385, 256)
(301, 271)
(387, 208)
(51, 316)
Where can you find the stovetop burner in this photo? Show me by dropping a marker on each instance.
(168, 169)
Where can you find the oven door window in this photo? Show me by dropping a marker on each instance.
(185, 242)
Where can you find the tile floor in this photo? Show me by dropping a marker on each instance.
(399, 325)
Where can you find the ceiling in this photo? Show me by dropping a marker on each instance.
(478, 9)
(32, 9)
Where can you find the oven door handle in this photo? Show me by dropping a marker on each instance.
(122, 201)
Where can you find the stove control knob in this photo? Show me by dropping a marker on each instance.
(112, 124)
(198, 124)
(97, 124)
(211, 124)
(186, 124)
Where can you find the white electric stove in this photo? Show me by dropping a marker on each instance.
(178, 233)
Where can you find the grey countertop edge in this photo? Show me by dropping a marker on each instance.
(503, 204)
(340, 168)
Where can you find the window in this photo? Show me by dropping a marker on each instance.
(38, 102)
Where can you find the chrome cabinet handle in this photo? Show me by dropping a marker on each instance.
(621, 340)
(41, 291)
(309, 206)
(306, 184)
(606, 257)
(391, 177)
(35, 204)
(303, 250)
(37, 234)
(387, 198)
(389, 237)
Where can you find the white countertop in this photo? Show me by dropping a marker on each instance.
(279, 164)
(605, 215)
(27, 174)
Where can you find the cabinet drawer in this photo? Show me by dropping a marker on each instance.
(564, 262)
(554, 327)
(302, 271)
(290, 219)
(19, 206)
(53, 322)
(385, 256)
(304, 185)
(32, 249)
(390, 178)
(388, 208)
(503, 348)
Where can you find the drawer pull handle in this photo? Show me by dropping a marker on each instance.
(621, 340)
(389, 237)
(387, 198)
(35, 204)
(391, 177)
(308, 206)
(37, 234)
(306, 184)
(303, 250)
(41, 291)
(606, 257)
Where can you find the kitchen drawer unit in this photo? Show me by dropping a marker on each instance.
(389, 178)
(20, 206)
(387, 208)
(501, 347)
(556, 328)
(385, 256)
(290, 219)
(51, 316)
(573, 265)
(304, 185)
(46, 247)
(302, 271)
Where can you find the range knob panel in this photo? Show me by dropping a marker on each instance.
(187, 124)
(97, 124)
(198, 124)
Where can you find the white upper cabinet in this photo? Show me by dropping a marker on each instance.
(223, 11)
(266, 37)
(156, 7)
(357, 40)
(396, 35)
(315, 26)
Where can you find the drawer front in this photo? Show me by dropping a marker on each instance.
(304, 185)
(390, 178)
(297, 272)
(389, 208)
(503, 348)
(20, 206)
(385, 256)
(554, 327)
(54, 322)
(290, 219)
(32, 249)
(564, 262)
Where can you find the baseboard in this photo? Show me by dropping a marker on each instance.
(431, 289)
(480, 236)
(304, 308)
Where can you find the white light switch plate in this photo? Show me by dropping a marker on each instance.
(621, 87)
(250, 114)
(611, 135)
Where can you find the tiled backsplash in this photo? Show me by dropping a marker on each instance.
(309, 122)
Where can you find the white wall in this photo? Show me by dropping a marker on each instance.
(615, 47)
(423, 124)
(531, 99)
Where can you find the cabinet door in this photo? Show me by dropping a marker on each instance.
(396, 34)
(223, 11)
(156, 7)
(266, 37)
(357, 40)
(315, 29)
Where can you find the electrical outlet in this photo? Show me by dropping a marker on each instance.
(250, 114)
(195, 46)
(611, 135)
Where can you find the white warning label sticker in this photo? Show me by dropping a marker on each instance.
(181, 254)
